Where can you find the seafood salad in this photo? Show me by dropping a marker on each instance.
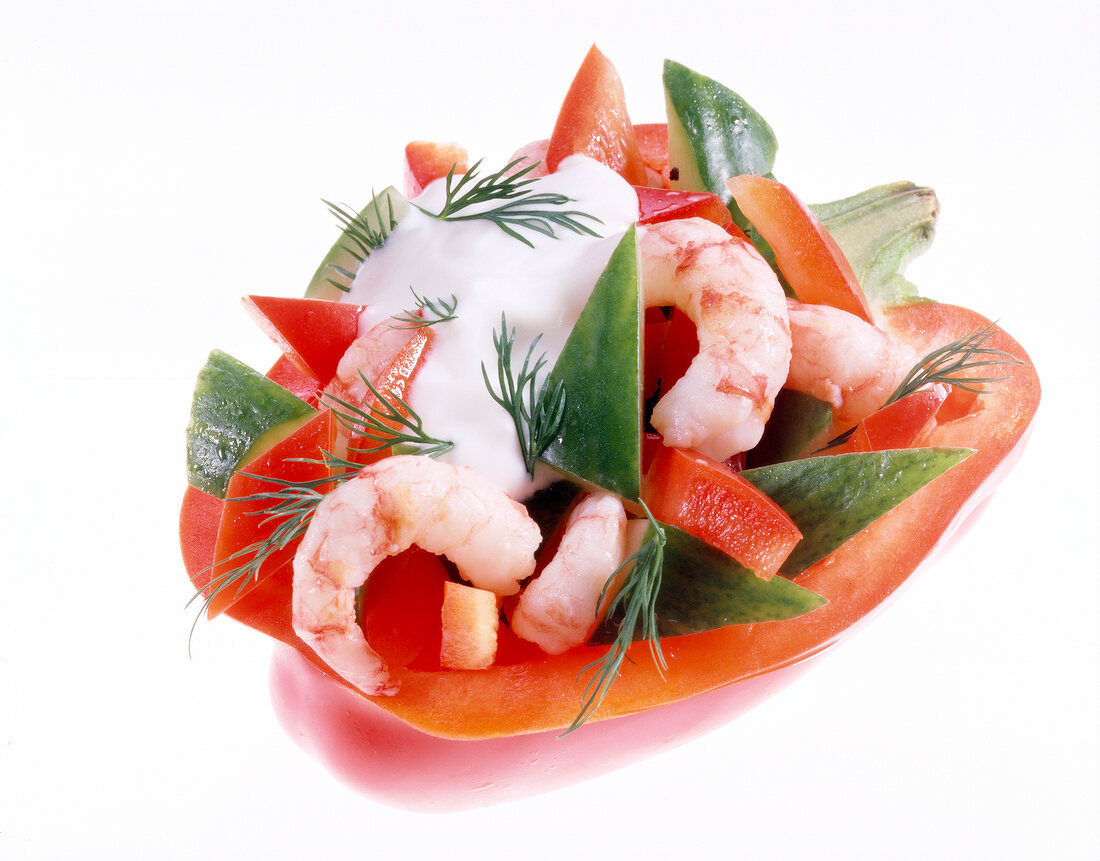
(617, 426)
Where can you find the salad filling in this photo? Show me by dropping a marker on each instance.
(540, 290)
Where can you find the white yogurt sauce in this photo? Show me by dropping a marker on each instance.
(540, 290)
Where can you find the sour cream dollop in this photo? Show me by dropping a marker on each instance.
(540, 290)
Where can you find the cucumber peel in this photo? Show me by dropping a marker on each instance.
(702, 589)
(600, 439)
(233, 407)
(832, 497)
(797, 419)
(334, 276)
(713, 134)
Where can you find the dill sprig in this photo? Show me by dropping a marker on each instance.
(537, 410)
(638, 598)
(521, 209)
(362, 238)
(947, 364)
(391, 423)
(428, 312)
(292, 505)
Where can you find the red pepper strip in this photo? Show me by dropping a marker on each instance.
(295, 381)
(266, 607)
(807, 255)
(713, 503)
(652, 141)
(658, 204)
(313, 333)
(241, 525)
(896, 425)
(427, 161)
(593, 121)
(394, 382)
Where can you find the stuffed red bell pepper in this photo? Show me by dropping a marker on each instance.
(569, 459)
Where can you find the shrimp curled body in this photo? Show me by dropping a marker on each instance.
(720, 405)
(560, 608)
(385, 509)
(843, 360)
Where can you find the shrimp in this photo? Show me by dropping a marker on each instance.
(842, 360)
(368, 356)
(385, 509)
(559, 609)
(720, 405)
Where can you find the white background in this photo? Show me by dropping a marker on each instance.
(159, 160)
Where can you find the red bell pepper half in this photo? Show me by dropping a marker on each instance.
(406, 749)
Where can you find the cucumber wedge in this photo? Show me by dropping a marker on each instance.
(832, 497)
(234, 408)
(796, 420)
(713, 134)
(702, 589)
(600, 441)
(360, 236)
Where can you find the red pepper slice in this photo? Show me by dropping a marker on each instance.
(241, 525)
(660, 204)
(427, 161)
(896, 425)
(313, 333)
(806, 254)
(652, 141)
(712, 502)
(593, 121)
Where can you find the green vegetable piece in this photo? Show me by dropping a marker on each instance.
(713, 134)
(832, 497)
(362, 234)
(600, 440)
(233, 407)
(880, 231)
(797, 419)
(702, 589)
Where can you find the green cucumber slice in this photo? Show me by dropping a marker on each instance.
(600, 441)
(334, 276)
(880, 231)
(832, 497)
(713, 134)
(797, 419)
(233, 407)
(702, 589)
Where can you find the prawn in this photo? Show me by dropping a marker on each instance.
(559, 609)
(840, 359)
(367, 356)
(720, 405)
(385, 509)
